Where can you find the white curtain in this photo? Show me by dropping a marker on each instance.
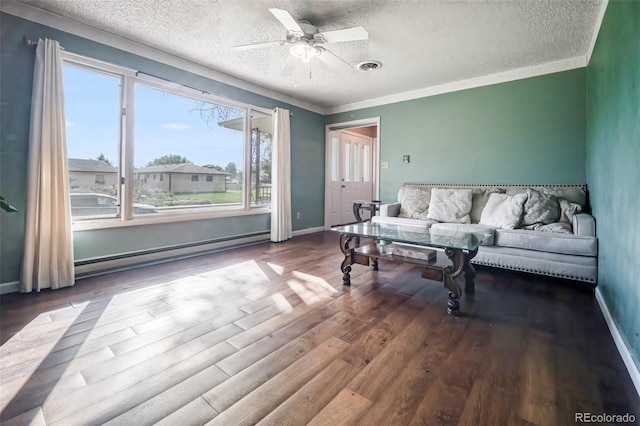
(281, 177)
(48, 246)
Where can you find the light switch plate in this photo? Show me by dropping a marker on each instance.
(385, 165)
(406, 159)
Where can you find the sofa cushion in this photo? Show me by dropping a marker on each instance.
(541, 208)
(450, 205)
(503, 210)
(403, 221)
(547, 241)
(486, 231)
(414, 202)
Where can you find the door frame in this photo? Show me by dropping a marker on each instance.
(375, 170)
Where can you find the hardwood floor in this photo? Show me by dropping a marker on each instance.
(267, 334)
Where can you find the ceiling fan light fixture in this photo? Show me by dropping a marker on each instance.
(303, 50)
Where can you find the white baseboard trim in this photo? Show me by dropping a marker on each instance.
(308, 231)
(10, 287)
(625, 353)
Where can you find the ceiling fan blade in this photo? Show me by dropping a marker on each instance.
(289, 66)
(347, 34)
(333, 61)
(286, 19)
(260, 45)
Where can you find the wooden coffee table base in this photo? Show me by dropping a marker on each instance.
(445, 272)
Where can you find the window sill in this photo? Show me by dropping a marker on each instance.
(168, 217)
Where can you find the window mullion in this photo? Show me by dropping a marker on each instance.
(246, 175)
(126, 149)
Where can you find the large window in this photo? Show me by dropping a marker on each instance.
(157, 149)
(92, 105)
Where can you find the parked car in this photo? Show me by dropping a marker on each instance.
(93, 204)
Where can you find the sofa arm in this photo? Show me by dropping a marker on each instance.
(392, 210)
(584, 224)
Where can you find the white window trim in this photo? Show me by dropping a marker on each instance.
(130, 78)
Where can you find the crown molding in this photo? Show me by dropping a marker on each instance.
(596, 30)
(486, 80)
(70, 26)
(85, 31)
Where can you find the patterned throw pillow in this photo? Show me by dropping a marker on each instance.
(414, 202)
(559, 227)
(540, 208)
(450, 205)
(568, 210)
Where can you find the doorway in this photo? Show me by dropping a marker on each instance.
(351, 173)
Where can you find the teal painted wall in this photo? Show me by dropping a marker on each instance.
(16, 71)
(525, 131)
(613, 163)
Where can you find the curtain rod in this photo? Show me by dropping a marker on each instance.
(30, 43)
(290, 113)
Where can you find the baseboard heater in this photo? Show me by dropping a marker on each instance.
(135, 259)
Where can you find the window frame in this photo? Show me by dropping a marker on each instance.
(126, 176)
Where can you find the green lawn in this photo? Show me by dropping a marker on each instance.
(231, 196)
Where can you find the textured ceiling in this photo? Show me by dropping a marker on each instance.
(421, 44)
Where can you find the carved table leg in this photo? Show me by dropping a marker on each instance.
(450, 273)
(356, 211)
(347, 250)
(469, 273)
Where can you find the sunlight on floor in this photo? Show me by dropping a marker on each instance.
(25, 353)
(309, 288)
(277, 268)
(281, 302)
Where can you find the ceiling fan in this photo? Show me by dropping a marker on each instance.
(307, 42)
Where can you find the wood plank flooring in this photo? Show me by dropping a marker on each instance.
(268, 335)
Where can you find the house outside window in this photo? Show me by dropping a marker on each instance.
(196, 134)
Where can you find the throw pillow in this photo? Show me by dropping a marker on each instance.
(479, 200)
(414, 202)
(568, 210)
(503, 210)
(450, 205)
(573, 195)
(540, 207)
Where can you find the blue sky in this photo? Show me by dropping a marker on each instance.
(165, 124)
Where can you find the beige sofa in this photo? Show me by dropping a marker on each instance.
(542, 229)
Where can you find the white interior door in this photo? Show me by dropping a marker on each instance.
(351, 173)
(335, 182)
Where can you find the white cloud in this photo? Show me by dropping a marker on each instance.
(176, 126)
(69, 123)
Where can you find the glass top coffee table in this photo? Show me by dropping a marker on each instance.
(415, 246)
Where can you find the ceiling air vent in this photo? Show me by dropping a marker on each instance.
(368, 66)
